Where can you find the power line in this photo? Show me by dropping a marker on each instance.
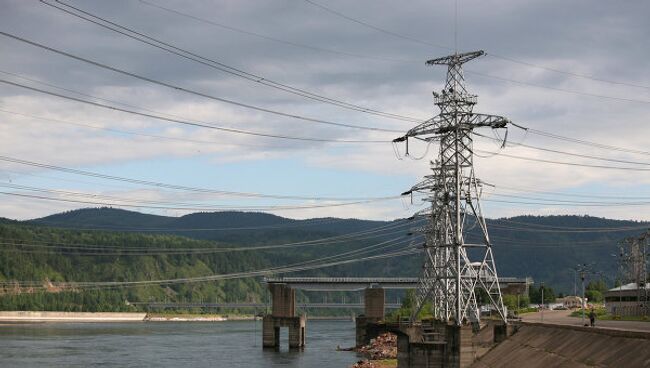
(529, 84)
(563, 152)
(187, 122)
(569, 73)
(543, 203)
(518, 189)
(529, 224)
(564, 163)
(583, 141)
(266, 37)
(174, 186)
(89, 126)
(496, 56)
(375, 232)
(141, 37)
(190, 91)
(274, 270)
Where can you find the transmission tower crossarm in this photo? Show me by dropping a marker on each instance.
(456, 58)
(485, 120)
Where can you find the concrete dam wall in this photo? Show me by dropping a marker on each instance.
(537, 345)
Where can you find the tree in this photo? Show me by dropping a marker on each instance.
(535, 295)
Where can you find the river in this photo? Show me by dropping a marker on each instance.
(231, 344)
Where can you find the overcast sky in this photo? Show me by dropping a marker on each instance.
(297, 43)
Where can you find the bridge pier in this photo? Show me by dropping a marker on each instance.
(435, 344)
(283, 315)
(367, 325)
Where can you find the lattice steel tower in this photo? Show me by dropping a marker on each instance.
(449, 279)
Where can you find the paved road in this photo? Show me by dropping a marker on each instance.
(563, 318)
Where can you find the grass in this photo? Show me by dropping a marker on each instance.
(521, 311)
(386, 363)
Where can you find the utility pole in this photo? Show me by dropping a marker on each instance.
(449, 279)
(583, 271)
(542, 301)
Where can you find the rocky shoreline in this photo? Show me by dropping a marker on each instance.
(380, 353)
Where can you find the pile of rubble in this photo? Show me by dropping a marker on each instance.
(383, 347)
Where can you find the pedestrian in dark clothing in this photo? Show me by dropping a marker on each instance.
(592, 318)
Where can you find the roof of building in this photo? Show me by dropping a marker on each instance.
(630, 286)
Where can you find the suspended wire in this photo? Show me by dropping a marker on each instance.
(193, 92)
(274, 270)
(594, 230)
(99, 251)
(378, 29)
(545, 203)
(569, 73)
(178, 187)
(144, 202)
(563, 162)
(141, 37)
(584, 142)
(496, 56)
(118, 131)
(564, 152)
(530, 224)
(213, 208)
(268, 38)
(381, 231)
(529, 84)
(187, 122)
(529, 190)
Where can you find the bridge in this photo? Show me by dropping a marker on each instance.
(509, 285)
(283, 302)
(163, 305)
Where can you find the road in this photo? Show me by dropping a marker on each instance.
(562, 317)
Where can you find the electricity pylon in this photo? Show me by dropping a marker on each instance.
(449, 279)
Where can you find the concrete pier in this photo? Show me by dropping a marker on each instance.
(367, 324)
(283, 315)
(435, 344)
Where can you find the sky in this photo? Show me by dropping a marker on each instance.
(576, 69)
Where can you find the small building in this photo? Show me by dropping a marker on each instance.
(570, 301)
(628, 300)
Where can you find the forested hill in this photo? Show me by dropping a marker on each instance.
(546, 248)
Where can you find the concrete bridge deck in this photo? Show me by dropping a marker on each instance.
(360, 283)
(258, 305)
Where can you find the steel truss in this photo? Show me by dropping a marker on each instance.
(450, 280)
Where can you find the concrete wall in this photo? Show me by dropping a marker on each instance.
(23, 316)
(542, 346)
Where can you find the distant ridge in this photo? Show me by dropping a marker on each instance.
(544, 247)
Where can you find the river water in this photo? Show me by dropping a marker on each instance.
(231, 344)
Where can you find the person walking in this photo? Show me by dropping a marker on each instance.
(592, 318)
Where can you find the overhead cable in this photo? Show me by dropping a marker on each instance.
(212, 63)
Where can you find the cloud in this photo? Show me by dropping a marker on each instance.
(586, 38)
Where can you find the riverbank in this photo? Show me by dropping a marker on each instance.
(189, 317)
(38, 316)
(45, 316)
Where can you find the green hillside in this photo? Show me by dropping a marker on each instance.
(546, 248)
